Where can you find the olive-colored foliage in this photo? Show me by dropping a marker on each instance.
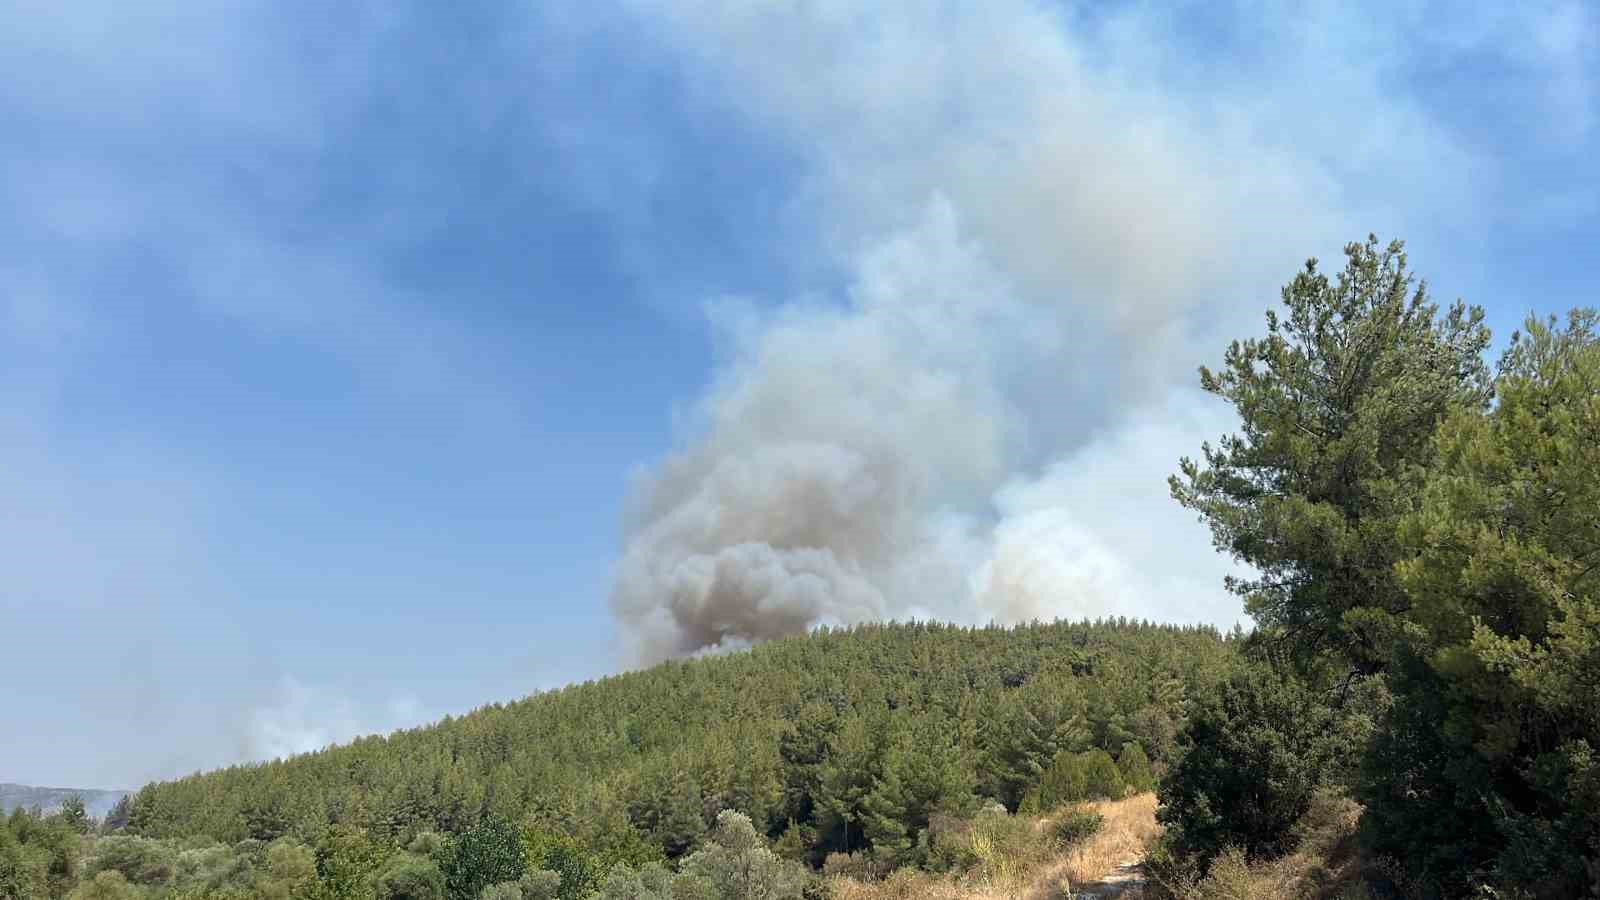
(1338, 405)
(506, 890)
(140, 861)
(106, 885)
(736, 864)
(1071, 777)
(1255, 753)
(577, 872)
(539, 885)
(409, 877)
(291, 869)
(40, 856)
(650, 882)
(150, 869)
(22, 867)
(1077, 825)
(348, 861)
(1134, 765)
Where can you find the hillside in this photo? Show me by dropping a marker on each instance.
(803, 735)
(22, 796)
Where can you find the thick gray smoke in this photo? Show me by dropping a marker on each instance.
(830, 449)
(1039, 250)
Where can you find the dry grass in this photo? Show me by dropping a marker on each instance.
(1325, 864)
(1030, 870)
(1130, 826)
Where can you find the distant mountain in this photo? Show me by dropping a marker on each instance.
(97, 802)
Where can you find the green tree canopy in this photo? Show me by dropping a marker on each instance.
(1491, 758)
(1338, 405)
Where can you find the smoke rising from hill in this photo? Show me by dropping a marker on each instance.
(1039, 248)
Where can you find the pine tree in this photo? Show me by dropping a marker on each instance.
(1338, 406)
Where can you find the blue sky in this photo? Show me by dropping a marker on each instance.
(370, 363)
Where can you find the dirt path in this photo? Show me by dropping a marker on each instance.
(1127, 881)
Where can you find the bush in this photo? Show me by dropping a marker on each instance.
(1252, 758)
(860, 866)
(427, 843)
(489, 854)
(408, 877)
(108, 885)
(348, 860)
(949, 844)
(1076, 825)
(1137, 772)
(1073, 777)
(141, 861)
(22, 872)
(736, 864)
(651, 881)
(290, 868)
(578, 871)
(540, 885)
(1006, 845)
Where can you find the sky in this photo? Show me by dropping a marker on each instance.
(365, 363)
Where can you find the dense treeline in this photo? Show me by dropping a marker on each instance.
(1427, 541)
(844, 742)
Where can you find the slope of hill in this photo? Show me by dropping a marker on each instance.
(15, 796)
(836, 741)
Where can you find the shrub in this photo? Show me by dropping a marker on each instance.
(542, 884)
(348, 860)
(1103, 780)
(1005, 845)
(290, 868)
(1253, 756)
(860, 866)
(1072, 777)
(409, 877)
(736, 864)
(1076, 825)
(1134, 765)
(949, 844)
(651, 881)
(427, 843)
(539, 885)
(141, 861)
(505, 890)
(552, 851)
(108, 885)
(488, 854)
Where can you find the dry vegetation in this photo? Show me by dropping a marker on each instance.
(1324, 865)
(1021, 859)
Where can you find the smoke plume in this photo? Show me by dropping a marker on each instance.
(1039, 243)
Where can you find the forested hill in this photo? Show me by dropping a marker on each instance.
(804, 735)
